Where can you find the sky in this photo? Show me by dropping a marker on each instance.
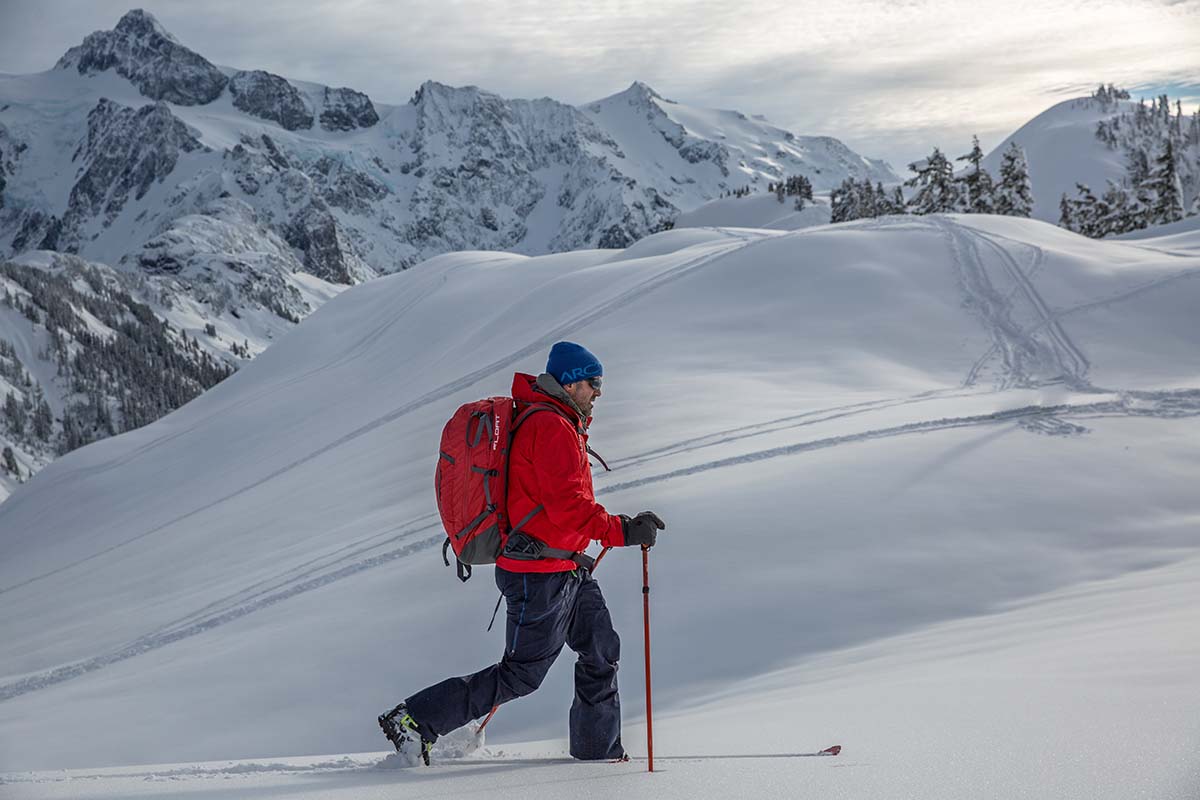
(891, 79)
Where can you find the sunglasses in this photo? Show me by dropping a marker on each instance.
(595, 382)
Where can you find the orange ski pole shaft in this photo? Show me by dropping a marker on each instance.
(646, 627)
(492, 713)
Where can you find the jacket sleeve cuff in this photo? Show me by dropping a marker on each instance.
(615, 535)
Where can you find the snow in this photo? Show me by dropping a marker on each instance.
(761, 210)
(1061, 149)
(929, 714)
(930, 494)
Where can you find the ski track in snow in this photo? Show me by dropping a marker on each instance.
(261, 600)
(789, 422)
(1173, 404)
(1016, 346)
(364, 762)
(1037, 418)
(1024, 356)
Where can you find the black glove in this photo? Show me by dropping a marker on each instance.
(642, 529)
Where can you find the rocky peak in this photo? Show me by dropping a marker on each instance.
(346, 110)
(640, 94)
(272, 98)
(126, 152)
(140, 50)
(138, 22)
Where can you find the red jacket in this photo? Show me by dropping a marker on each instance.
(548, 466)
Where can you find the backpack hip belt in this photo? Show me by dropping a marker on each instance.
(523, 547)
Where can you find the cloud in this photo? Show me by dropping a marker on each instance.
(890, 78)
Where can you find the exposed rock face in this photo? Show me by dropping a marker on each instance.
(142, 51)
(272, 98)
(127, 150)
(458, 168)
(328, 253)
(346, 110)
(227, 259)
(347, 188)
(10, 151)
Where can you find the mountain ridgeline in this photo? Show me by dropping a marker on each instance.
(355, 187)
(237, 201)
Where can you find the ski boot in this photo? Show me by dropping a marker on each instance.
(401, 728)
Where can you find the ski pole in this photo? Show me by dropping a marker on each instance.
(492, 713)
(646, 626)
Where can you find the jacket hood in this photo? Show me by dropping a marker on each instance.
(545, 389)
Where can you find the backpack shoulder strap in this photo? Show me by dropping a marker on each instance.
(535, 408)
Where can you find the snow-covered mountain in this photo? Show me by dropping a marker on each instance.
(106, 350)
(1062, 149)
(238, 200)
(132, 130)
(932, 539)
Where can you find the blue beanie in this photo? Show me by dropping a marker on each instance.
(570, 362)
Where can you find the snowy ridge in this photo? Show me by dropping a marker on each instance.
(357, 187)
(903, 481)
(1061, 149)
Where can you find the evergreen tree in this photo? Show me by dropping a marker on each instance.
(865, 197)
(1085, 211)
(10, 461)
(43, 420)
(1066, 213)
(15, 414)
(936, 191)
(1137, 166)
(843, 201)
(1014, 195)
(976, 185)
(1114, 211)
(1168, 206)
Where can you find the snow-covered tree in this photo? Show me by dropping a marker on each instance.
(1082, 214)
(1014, 194)
(10, 462)
(1115, 211)
(14, 412)
(936, 192)
(975, 185)
(1168, 190)
(1066, 213)
(843, 202)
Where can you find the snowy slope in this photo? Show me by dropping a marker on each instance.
(1061, 149)
(761, 210)
(910, 427)
(1034, 700)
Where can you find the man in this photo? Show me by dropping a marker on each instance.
(551, 600)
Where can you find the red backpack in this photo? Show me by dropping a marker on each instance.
(471, 480)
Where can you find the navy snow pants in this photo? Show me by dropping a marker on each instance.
(545, 611)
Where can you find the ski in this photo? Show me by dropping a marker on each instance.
(554, 760)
